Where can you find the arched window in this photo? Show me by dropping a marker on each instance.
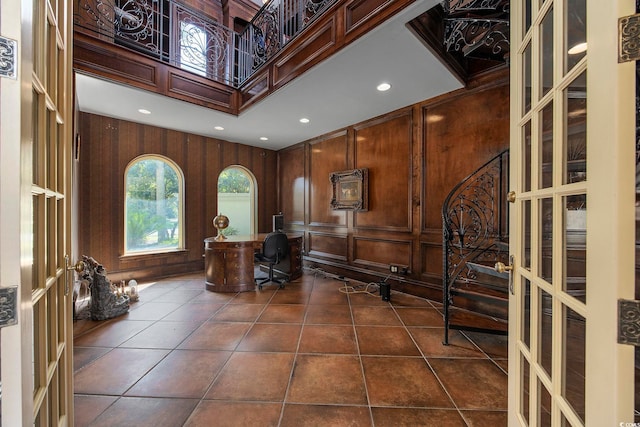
(237, 200)
(153, 205)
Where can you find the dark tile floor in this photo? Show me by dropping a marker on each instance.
(305, 355)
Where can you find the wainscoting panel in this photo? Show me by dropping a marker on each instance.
(380, 253)
(328, 246)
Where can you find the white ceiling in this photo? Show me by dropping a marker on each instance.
(336, 93)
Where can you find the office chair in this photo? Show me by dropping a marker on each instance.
(275, 248)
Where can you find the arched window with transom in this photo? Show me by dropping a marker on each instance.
(154, 205)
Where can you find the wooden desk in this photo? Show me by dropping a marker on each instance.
(228, 264)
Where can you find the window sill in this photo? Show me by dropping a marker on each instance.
(149, 255)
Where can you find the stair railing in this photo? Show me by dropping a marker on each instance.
(473, 221)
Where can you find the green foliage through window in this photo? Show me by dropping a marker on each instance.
(153, 197)
(233, 180)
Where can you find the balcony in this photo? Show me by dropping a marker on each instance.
(262, 79)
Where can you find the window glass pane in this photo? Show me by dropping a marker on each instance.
(235, 200)
(575, 122)
(193, 47)
(546, 62)
(573, 367)
(575, 246)
(153, 206)
(575, 33)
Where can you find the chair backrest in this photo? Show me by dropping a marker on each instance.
(275, 246)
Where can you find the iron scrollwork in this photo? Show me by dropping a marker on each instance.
(467, 35)
(204, 44)
(8, 57)
(133, 21)
(473, 226)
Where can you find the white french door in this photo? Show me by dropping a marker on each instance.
(572, 222)
(36, 133)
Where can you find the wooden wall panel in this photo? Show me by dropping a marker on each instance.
(317, 46)
(381, 252)
(292, 185)
(415, 156)
(210, 8)
(109, 145)
(327, 246)
(358, 11)
(454, 148)
(326, 156)
(384, 147)
(190, 87)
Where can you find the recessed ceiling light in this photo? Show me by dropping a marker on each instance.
(304, 120)
(143, 111)
(579, 48)
(218, 128)
(264, 138)
(383, 87)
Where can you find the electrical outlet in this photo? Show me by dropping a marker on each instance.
(393, 268)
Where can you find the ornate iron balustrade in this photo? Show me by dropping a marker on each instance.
(275, 25)
(484, 38)
(474, 225)
(465, 6)
(171, 32)
(165, 30)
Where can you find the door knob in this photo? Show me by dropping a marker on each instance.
(511, 197)
(78, 267)
(500, 267)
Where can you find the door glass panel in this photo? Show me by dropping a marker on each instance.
(546, 147)
(573, 366)
(546, 239)
(637, 216)
(526, 316)
(544, 408)
(526, 65)
(575, 122)
(527, 16)
(546, 63)
(526, 245)
(524, 398)
(51, 138)
(545, 340)
(574, 248)
(526, 157)
(575, 33)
